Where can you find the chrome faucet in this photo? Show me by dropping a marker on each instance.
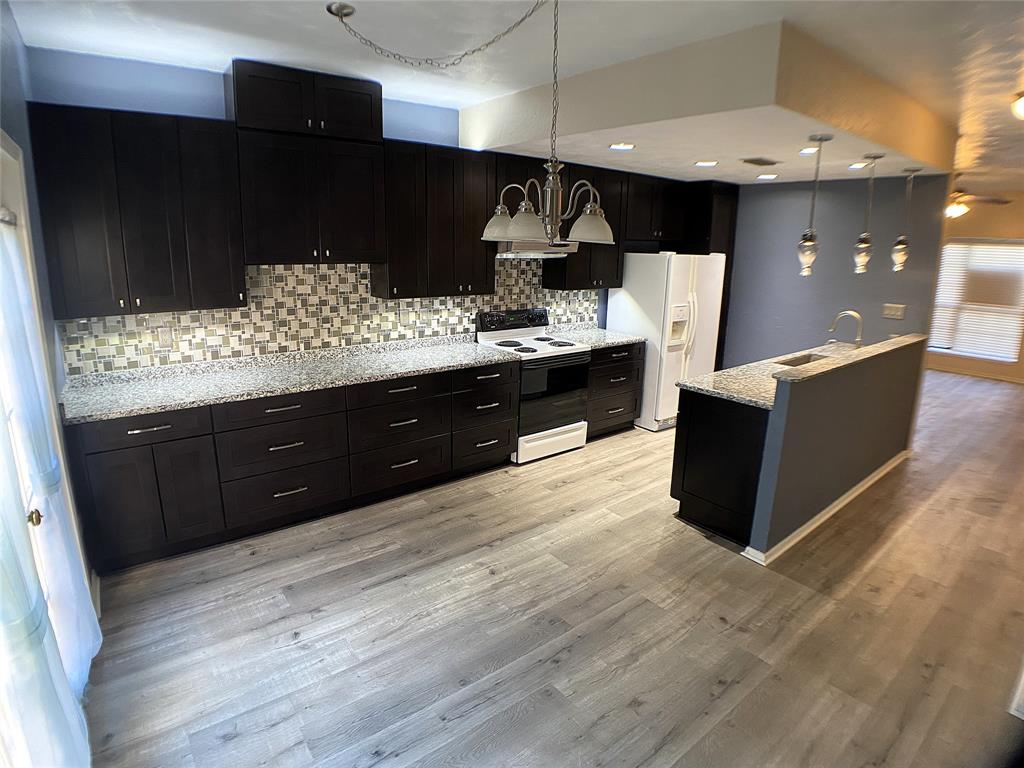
(859, 341)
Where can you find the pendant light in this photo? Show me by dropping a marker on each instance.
(901, 248)
(807, 250)
(863, 249)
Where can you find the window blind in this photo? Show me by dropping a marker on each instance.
(979, 300)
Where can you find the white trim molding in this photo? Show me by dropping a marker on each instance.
(765, 558)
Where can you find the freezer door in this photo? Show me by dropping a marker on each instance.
(705, 310)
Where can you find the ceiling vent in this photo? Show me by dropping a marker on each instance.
(762, 161)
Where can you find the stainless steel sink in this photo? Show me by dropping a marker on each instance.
(802, 359)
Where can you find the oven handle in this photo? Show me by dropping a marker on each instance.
(562, 361)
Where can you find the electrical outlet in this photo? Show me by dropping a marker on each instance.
(894, 311)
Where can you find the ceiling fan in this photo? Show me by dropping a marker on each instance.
(960, 197)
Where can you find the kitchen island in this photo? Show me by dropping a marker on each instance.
(766, 452)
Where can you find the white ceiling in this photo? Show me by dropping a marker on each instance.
(962, 59)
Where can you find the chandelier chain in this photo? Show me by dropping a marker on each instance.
(554, 83)
(441, 62)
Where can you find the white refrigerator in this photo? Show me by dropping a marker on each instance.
(674, 301)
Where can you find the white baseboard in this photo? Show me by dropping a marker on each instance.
(764, 558)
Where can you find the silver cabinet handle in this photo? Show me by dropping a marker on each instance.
(460, 288)
(488, 376)
(280, 408)
(309, 122)
(394, 291)
(469, 287)
(292, 492)
(315, 254)
(327, 253)
(138, 302)
(489, 405)
(408, 463)
(286, 446)
(405, 423)
(143, 430)
(120, 302)
(620, 354)
(616, 380)
(241, 296)
(323, 124)
(616, 410)
(600, 282)
(595, 282)
(486, 443)
(402, 389)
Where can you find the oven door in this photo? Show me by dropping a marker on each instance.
(553, 392)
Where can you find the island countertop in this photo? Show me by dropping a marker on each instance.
(754, 383)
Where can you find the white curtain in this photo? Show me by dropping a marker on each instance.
(49, 628)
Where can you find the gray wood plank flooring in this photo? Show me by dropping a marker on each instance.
(557, 614)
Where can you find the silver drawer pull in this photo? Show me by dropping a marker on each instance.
(615, 410)
(489, 405)
(294, 407)
(408, 463)
(620, 354)
(616, 380)
(405, 423)
(285, 446)
(413, 388)
(486, 443)
(292, 492)
(142, 430)
(488, 376)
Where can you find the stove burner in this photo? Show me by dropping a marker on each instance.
(562, 344)
(526, 349)
(509, 343)
(543, 338)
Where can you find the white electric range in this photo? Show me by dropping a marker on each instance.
(552, 382)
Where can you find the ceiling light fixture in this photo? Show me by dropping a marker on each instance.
(956, 209)
(901, 248)
(1017, 106)
(858, 166)
(706, 163)
(622, 146)
(807, 249)
(808, 151)
(767, 176)
(863, 249)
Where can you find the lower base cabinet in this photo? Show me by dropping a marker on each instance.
(398, 465)
(286, 492)
(484, 445)
(189, 488)
(614, 388)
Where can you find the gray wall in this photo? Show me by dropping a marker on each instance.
(65, 77)
(774, 311)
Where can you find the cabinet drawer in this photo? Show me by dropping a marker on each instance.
(399, 390)
(613, 379)
(614, 409)
(484, 376)
(400, 464)
(270, 410)
(628, 353)
(484, 406)
(487, 444)
(277, 494)
(143, 430)
(255, 450)
(384, 425)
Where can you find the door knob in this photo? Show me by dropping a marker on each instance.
(35, 517)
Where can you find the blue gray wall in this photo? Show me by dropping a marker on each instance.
(774, 311)
(64, 77)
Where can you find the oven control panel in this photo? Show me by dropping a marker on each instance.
(510, 319)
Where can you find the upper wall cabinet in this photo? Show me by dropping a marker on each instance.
(655, 209)
(351, 202)
(274, 98)
(403, 274)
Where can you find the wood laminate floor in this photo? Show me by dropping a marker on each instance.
(556, 614)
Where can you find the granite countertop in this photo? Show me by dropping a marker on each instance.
(754, 383)
(100, 396)
(592, 335)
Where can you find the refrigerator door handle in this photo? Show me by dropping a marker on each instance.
(693, 323)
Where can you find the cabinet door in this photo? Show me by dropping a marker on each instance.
(189, 487)
(212, 205)
(272, 98)
(125, 509)
(81, 222)
(606, 260)
(405, 274)
(474, 258)
(444, 200)
(279, 217)
(643, 208)
(348, 108)
(149, 190)
(351, 202)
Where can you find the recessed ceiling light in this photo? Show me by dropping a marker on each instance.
(806, 151)
(621, 146)
(857, 166)
(706, 163)
(768, 176)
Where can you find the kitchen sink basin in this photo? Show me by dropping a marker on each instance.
(802, 359)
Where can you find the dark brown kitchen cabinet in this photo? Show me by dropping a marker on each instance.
(279, 211)
(403, 274)
(149, 190)
(270, 97)
(211, 200)
(655, 209)
(348, 108)
(351, 199)
(186, 471)
(74, 163)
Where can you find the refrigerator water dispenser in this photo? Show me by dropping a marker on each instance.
(679, 319)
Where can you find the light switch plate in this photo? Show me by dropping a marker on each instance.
(894, 311)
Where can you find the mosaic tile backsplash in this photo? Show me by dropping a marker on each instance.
(300, 307)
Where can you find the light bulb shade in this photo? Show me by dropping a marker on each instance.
(862, 253)
(956, 209)
(497, 228)
(807, 252)
(591, 227)
(900, 253)
(526, 225)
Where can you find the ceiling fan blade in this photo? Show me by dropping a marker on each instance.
(983, 199)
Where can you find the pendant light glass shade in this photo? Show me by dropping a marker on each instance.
(901, 248)
(498, 227)
(591, 227)
(527, 225)
(900, 253)
(956, 209)
(807, 248)
(862, 249)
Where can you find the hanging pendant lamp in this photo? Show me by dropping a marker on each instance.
(863, 248)
(807, 249)
(901, 248)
